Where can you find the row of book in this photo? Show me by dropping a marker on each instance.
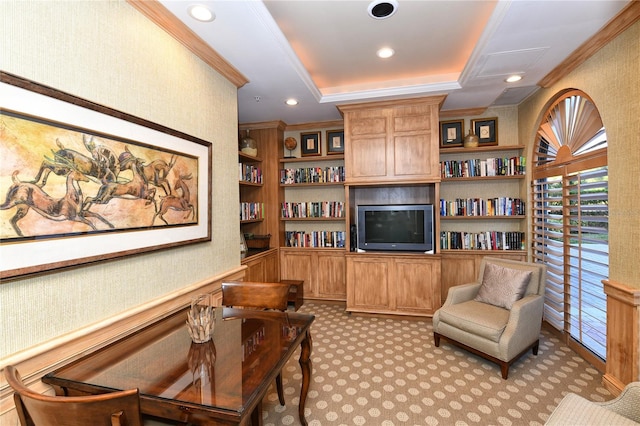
(251, 211)
(489, 240)
(249, 173)
(325, 209)
(312, 175)
(330, 239)
(499, 206)
(511, 166)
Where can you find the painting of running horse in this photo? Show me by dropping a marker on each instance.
(107, 187)
(58, 181)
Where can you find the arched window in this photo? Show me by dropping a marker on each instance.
(570, 219)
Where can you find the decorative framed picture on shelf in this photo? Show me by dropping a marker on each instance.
(310, 144)
(451, 133)
(486, 129)
(335, 141)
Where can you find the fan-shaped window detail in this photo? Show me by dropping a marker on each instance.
(571, 127)
(570, 219)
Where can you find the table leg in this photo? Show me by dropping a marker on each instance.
(305, 365)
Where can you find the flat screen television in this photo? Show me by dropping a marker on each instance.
(395, 227)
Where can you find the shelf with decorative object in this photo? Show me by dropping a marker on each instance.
(259, 195)
(482, 209)
(312, 211)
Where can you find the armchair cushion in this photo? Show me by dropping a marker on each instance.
(502, 286)
(477, 318)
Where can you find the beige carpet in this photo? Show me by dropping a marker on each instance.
(371, 370)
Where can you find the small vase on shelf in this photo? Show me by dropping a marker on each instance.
(471, 140)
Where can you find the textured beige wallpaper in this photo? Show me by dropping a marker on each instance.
(610, 78)
(107, 52)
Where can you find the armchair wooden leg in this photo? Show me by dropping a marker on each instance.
(436, 339)
(534, 349)
(279, 388)
(504, 369)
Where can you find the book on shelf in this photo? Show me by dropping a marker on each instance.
(488, 240)
(497, 206)
(312, 209)
(489, 167)
(315, 239)
(249, 173)
(251, 211)
(312, 175)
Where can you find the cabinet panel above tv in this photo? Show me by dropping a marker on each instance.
(392, 141)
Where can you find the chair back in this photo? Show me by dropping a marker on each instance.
(120, 408)
(538, 279)
(259, 295)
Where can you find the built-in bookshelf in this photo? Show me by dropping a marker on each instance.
(482, 205)
(313, 208)
(250, 179)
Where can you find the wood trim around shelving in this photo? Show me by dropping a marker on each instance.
(314, 126)
(245, 183)
(619, 23)
(497, 148)
(312, 159)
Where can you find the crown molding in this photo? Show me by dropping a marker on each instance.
(623, 20)
(159, 14)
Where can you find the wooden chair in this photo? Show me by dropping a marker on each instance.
(257, 295)
(120, 408)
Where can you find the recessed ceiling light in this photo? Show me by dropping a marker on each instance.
(201, 13)
(382, 9)
(513, 78)
(291, 102)
(385, 52)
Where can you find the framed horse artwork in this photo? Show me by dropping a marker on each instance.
(80, 182)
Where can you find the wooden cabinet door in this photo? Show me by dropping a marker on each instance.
(415, 285)
(392, 141)
(331, 276)
(365, 156)
(298, 265)
(368, 289)
(415, 149)
(457, 270)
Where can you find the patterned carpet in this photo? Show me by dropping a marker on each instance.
(371, 370)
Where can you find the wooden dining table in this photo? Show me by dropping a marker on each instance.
(222, 381)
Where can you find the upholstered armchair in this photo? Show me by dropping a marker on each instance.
(499, 316)
(620, 411)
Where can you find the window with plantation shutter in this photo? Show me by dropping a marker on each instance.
(570, 219)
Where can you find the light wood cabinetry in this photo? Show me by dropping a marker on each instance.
(262, 266)
(323, 271)
(392, 157)
(269, 137)
(314, 223)
(392, 141)
(393, 283)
